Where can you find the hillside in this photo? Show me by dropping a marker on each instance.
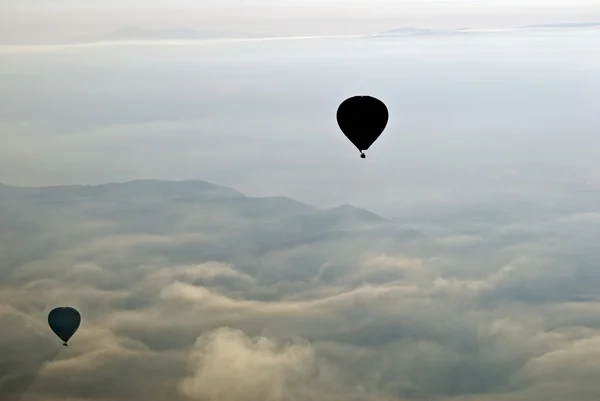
(184, 222)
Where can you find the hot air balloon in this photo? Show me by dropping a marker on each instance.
(362, 119)
(64, 322)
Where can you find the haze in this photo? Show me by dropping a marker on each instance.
(194, 199)
(252, 114)
(42, 21)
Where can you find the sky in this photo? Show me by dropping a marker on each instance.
(58, 20)
(502, 101)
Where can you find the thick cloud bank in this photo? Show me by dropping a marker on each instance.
(193, 292)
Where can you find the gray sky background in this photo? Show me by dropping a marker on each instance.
(55, 20)
(469, 113)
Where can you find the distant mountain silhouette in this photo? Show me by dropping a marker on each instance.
(415, 31)
(138, 189)
(568, 25)
(143, 34)
(229, 219)
(137, 33)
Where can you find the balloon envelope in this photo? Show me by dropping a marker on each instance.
(64, 322)
(362, 119)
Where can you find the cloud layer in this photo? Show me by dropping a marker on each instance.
(192, 292)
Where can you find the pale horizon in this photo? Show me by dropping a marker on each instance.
(61, 20)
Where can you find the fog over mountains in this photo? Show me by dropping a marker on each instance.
(230, 220)
(187, 287)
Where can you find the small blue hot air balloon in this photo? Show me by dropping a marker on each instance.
(64, 322)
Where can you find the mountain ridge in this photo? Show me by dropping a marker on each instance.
(417, 31)
(178, 189)
(190, 221)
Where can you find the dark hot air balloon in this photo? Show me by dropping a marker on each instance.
(64, 322)
(362, 119)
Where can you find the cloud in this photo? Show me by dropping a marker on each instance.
(474, 315)
(227, 364)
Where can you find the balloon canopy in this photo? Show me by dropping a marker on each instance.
(64, 322)
(362, 119)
